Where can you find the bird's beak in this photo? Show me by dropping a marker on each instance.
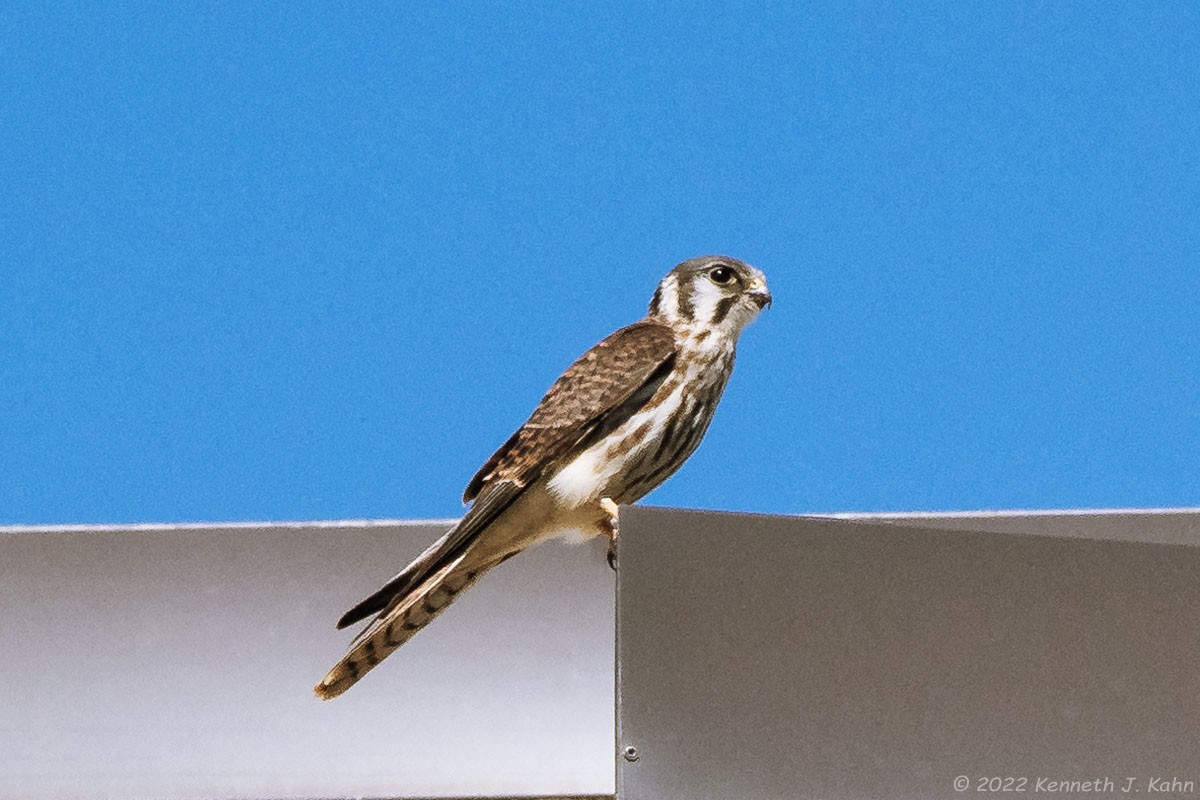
(760, 295)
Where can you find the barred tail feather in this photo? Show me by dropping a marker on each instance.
(399, 624)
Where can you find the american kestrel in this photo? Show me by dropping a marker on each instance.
(619, 422)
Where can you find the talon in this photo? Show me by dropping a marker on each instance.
(611, 528)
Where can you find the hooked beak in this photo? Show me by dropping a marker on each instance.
(760, 295)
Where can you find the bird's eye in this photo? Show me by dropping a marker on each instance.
(722, 276)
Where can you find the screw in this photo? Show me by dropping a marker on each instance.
(631, 753)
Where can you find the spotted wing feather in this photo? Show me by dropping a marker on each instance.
(602, 389)
(596, 393)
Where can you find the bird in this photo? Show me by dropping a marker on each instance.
(616, 424)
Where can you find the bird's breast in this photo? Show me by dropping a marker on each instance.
(598, 471)
(645, 449)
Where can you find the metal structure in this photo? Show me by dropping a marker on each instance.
(908, 657)
(758, 657)
(178, 662)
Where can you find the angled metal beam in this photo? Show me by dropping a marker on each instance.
(914, 656)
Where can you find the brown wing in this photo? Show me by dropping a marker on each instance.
(605, 387)
(598, 392)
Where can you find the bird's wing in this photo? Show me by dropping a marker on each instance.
(482, 513)
(601, 390)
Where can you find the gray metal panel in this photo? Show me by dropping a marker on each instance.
(767, 657)
(1158, 525)
(178, 663)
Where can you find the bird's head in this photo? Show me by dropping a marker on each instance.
(711, 293)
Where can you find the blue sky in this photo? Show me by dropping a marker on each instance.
(297, 261)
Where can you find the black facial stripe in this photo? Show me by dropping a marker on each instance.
(687, 309)
(723, 308)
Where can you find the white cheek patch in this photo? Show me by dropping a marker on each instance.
(668, 304)
(705, 297)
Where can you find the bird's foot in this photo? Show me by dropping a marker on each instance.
(611, 528)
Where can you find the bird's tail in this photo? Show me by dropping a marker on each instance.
(400, 621)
